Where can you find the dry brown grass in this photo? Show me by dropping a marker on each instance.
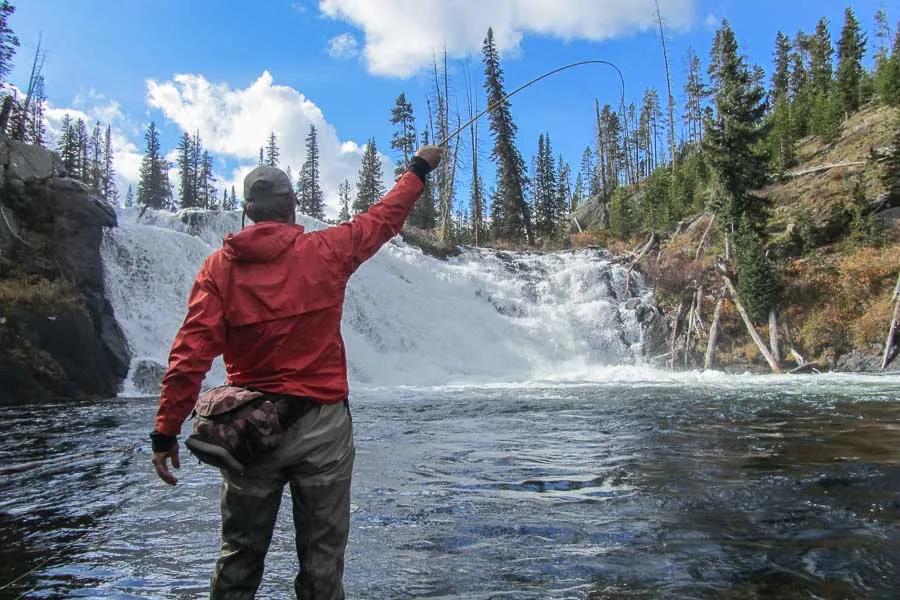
(39, 294)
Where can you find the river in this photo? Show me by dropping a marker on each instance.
(645, 485)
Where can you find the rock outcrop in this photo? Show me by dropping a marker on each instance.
(58, 335)
(593, 214)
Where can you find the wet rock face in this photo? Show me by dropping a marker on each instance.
(59, 336)
(866, 360)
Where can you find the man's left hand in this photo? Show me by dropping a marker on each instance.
(162, 469)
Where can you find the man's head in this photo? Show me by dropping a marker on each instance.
(268, 195)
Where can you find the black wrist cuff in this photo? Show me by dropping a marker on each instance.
(162, 442)
(419, 167)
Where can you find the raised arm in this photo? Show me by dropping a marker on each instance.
(357, 241)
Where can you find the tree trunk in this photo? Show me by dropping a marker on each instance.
(750, 328)
(888, 344)
(662, 39)
(637, 260)
(713, 335)
(773, 336)
(703, 238)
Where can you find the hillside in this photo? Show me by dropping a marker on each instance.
(836, 242)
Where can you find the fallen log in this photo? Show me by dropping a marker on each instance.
(750, 328)
(637, 260)
(825, 167)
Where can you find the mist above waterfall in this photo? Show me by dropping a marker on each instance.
(409, 319)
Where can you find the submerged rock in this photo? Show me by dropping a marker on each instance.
(146, 375)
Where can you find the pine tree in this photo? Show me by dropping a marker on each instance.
(312, 200)
(563, 191)
(545, 189)
(587, 174)
(851, 48)
(695, 92)
(129, 197)
(887, 67)
(95, 150)
(757, 284)
(109, 191)
(153, 190)
(369, 186)
(35, 126)
(206, 182)
(187, 177)
(272, 152)
(82, 162)
(622, 220)
(424, 214)
(648, 132)
(261, 160)
(344, 199)
(8, 41)
(781, 76)
(515, 214)
(404, 138)
(65, 145)
(733, 138)
(820, 53)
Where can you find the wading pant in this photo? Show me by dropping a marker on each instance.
(316, 459)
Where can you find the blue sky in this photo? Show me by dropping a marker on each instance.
(101, 55)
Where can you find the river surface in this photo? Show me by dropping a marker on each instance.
(649, 486)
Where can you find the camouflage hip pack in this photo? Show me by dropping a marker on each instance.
(234, 426)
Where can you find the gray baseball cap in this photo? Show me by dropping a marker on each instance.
(266, 183)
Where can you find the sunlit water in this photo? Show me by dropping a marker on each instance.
(665, 487)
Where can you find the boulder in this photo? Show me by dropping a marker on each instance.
(428, 243)
(146, 375)
(865, 360)
(591, 214)
(889, 217)
(28, 162)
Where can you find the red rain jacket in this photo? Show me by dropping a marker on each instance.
(270, 301)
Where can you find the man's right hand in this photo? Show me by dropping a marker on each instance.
(431, 154)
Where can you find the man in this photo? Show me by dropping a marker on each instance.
(270, 301)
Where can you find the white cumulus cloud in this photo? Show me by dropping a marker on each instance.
(344, 45)
(401, 36)
(236, 122)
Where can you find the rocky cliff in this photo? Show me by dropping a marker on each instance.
(58, 336)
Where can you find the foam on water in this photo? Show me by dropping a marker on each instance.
(409, 319)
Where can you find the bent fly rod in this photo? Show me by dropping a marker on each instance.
(501, 101)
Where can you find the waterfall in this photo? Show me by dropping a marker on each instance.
(409, 319)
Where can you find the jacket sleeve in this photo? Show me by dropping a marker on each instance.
(200, 339)
(357, 241)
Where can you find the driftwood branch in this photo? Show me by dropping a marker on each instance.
(773, 364)
(888, 344)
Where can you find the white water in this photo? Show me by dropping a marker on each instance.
(409, 319)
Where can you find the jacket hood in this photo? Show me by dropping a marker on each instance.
(262, 242)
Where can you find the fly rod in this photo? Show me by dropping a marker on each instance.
(500, 102)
